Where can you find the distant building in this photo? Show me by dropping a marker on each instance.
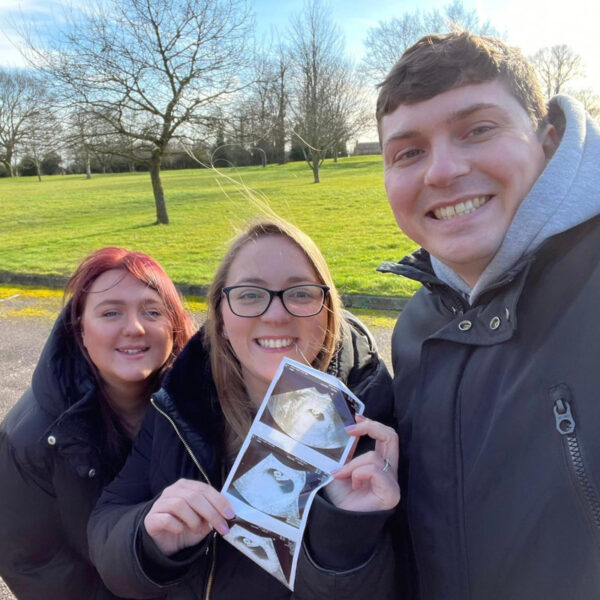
(362, 148)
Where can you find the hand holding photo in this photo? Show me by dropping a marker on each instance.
(298, 438)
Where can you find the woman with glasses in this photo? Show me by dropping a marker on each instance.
(155, 530)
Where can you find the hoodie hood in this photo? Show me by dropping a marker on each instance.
(564, 196)
(62, 377)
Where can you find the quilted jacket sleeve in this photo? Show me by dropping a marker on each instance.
(36, 558)
(125, 556)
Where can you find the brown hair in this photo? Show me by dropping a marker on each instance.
(439, 63)
(226, 368)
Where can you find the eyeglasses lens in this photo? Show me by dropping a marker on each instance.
(301, 301)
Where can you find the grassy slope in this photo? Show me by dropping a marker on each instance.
(48, 227)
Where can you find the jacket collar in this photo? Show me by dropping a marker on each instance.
(417, 266)
(188, 398)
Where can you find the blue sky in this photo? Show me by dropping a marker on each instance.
(530, 24)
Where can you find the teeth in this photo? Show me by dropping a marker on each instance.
(132, 351)
(278, 343)
(462, 208)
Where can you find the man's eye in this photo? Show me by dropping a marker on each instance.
(407, 155)
(481, 130)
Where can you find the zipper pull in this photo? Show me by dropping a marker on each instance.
(565, 423)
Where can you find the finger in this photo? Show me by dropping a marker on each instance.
(219, 502)
(209, 512)
(191, 489)
(180, 509)
(159, 524)
(387, 443)
(368, 458)
(191, 501)
(385, 488)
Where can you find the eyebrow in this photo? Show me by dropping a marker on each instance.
(469, 110)
(123, 303)
(261, 282)
(457, 115)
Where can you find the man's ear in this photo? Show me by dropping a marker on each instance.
(550, 140)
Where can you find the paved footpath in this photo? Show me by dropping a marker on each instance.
(22, 339)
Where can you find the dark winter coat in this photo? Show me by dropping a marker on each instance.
(499, 415)
(53, 466)
(183, 438)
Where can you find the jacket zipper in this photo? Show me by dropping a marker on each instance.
(211, 573)
(565, 425)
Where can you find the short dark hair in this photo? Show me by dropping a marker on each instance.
(439, 63)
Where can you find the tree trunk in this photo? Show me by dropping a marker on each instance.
(315, 164)
(88, 168)
(162, 218)
(38, 170)
(8, 167)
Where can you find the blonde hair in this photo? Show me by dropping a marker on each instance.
(226, 368)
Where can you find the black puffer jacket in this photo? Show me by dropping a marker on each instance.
(52, 470)
(182, 438)
(499, 416)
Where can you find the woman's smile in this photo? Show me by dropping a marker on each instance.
(259, 343)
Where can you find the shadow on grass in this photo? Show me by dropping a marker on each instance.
(363, 164)
(73, 238)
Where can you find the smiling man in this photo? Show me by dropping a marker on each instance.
(495, 358)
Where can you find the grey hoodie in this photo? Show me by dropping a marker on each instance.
(565, 195)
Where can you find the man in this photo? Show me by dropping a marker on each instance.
(497, 357)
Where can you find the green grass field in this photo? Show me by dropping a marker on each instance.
(47, 227)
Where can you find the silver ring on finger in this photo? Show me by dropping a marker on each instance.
(386, 465)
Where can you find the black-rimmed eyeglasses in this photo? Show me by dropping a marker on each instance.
(253, 301)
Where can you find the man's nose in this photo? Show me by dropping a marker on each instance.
(445, 163)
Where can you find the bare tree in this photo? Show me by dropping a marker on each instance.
(556, 66)
(42, 136)
(261, 120)
(148, 68)
(270, 109)
(386, 42)
(327, 105)
(589, 99)
(22, 100)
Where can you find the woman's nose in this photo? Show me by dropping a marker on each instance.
(276, 311)
(133, 325)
